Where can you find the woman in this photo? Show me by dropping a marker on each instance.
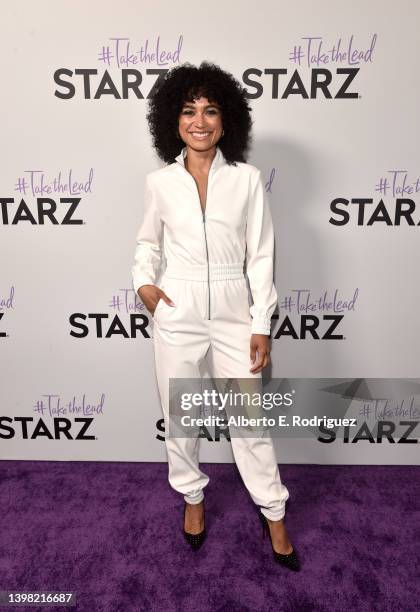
(209, 209)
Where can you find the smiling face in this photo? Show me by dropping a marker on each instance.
(200, 124)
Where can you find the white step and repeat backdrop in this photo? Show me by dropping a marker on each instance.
(334, 91)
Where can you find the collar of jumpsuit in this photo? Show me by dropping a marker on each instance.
(218, 159)
(212, 245)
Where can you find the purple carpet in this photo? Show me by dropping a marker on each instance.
(112, 532)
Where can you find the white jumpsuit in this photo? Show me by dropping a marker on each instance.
(205, 254)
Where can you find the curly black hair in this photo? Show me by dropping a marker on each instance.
(187, 82)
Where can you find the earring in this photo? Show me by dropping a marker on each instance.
(223, 131)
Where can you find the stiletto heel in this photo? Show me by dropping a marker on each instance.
(195, 540)
(290, 560)
(263, 524)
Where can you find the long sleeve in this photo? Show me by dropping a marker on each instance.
(148, 253)
(260, 257)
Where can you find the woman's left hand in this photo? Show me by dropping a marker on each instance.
(259, 344)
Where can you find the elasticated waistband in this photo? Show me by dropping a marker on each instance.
(198, 272)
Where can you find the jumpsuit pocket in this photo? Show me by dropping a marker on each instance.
(157, 306)
(162, 308)
(161, 302)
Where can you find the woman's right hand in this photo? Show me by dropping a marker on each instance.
(150, 296)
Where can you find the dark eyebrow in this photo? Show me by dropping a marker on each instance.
(207, 105)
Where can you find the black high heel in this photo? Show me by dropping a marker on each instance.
(195, 540)
(290, 560)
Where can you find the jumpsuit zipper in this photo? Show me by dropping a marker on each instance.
(207, 254)
(204, 229)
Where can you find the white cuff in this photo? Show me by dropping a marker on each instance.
(261, 325)
(141, 279)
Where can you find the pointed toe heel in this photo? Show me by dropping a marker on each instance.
(291, 560)
(195, 540)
